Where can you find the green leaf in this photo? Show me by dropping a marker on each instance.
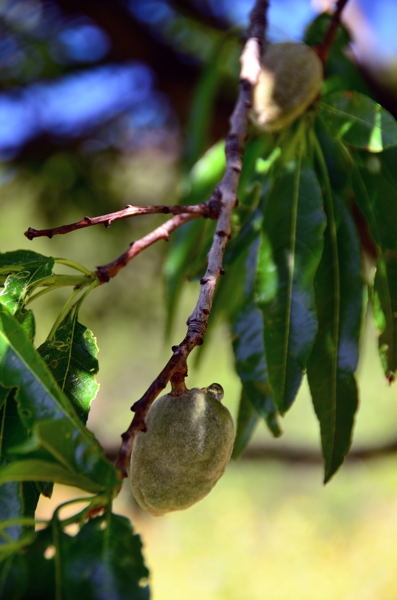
(375, 186)
(14, 577)
(250, 361)
(359, 121)
(247, 420)
(33, 469)
(333, 361)
(103, 561)
(18, 270)
(71, 354)
(16, 500)
(260, 155)
(294, 223)
(385, 311)
(46, 413)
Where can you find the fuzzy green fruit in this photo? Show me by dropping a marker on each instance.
(290, 80)
(183, 453)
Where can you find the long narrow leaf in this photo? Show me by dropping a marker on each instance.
(251, 367)
(375, 186)
(333, 361)
(294, 222)
(385, 312)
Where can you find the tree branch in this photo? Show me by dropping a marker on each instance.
(176, 368)
(301, 455)
(209, 209)
(324, 48)
(106, 272)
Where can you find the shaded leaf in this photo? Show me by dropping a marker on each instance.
(333, 361)
(294, 223)
(247, 420)
(71, 354)
(103, 561)
(14, 577)
(359, 121)
(250, 364)
(14, 504)
(32, 573)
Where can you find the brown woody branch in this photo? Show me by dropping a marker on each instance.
(208, 209)
(106, 272)
(324, 48)
(175, 370)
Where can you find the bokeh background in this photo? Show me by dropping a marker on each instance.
(96, 111)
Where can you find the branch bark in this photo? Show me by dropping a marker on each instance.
(176, 368)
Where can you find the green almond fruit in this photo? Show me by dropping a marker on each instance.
(289, 82)
(184, 451)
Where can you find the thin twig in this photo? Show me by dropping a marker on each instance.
(205, 209)
(209, 209)
(324, 48)
(106, 272)
(176, 368)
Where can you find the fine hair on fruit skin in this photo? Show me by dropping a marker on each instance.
(290, 80)
(184, 451)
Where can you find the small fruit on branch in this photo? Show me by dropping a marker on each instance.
(184, 451)
(289, 82)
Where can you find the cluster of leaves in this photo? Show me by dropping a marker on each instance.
(296, 287)
(45, 395)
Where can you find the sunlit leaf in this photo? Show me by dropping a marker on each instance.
(293, 226)
(375, 186)
(71, 354)
(32, 469)
(18, 270)
(45, 411)
(359, 121)
(385, 312)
